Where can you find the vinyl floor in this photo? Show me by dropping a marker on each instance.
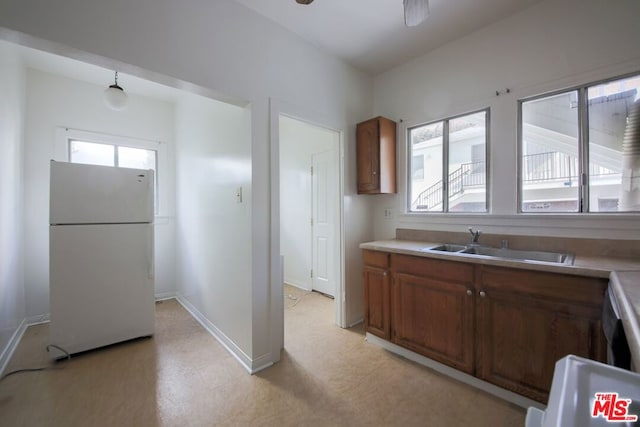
(183, 377)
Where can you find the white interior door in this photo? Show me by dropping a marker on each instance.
(323, 222)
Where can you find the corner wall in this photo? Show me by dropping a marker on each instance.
(12, 101)
(227, 49)
(55, 102)
(213, 167)
(553, 45)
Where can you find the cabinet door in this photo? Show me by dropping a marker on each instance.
(368, 156)
(376, 283)
(434, 318)
(529, 320)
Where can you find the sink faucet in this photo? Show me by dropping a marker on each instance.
(475, 235)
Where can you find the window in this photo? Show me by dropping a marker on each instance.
(448, 165)
(571, 149)
(111, 155)
(77, 146)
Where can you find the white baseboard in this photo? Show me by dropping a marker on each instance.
(37, 320)
(507, 395)
(8, 351)
(251, 365)
(357, 322)
(161, 296)
(297, 285)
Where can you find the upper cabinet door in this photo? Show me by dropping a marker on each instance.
(376, 156)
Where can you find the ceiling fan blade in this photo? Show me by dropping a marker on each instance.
(415, 11)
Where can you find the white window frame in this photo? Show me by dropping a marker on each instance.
(583, 148)
(65, 135)
(445, 164)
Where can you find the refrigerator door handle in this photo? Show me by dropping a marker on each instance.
(150, 253)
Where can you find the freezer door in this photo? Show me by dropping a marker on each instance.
(90, 194)
(102, 288)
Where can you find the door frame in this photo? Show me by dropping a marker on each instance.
(308, 115)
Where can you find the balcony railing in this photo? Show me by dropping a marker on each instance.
(467, 175)
(536, 168)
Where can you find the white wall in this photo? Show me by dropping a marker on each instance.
(213, 161)
(553, 45)
(226, 48)
(54, 102)
(298, 142)
(12, 301)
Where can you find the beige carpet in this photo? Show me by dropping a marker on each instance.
(183, 377)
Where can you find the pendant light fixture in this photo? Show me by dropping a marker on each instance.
(415, 11)
(114, 96)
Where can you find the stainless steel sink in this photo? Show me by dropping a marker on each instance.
(553, 257)
(448, 247)
(505, 253)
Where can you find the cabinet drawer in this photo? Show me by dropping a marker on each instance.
(554, 286)
(375, 259)
(435, 268)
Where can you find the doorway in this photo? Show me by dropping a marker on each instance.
(310, 238)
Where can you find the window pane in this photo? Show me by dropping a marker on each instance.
(91, 153)
(467, 163)
(136, 158)
(609, 105)
(549, 170)
(426, 187)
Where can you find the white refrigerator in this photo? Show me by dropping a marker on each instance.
(101, 255)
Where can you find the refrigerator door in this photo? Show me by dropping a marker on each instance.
(90, 194)
(102, 288)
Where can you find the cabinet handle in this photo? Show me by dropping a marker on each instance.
(385, 273)
(469, 292)
(483, 294)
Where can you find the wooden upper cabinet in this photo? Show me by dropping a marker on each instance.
(376, 156)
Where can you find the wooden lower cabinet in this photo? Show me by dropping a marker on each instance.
(376, 282)
(505, 326)
(528, 320)
(432, 309)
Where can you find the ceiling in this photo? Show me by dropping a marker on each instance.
(89, 73)
(371, 35)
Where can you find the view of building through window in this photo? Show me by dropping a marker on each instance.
(464, 141)
(556, 152)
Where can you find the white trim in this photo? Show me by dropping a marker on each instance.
(280, 108)
(163, 296)
(625, 227)
(296, 285)
(38, 319)
(499, 392)
(8, 351)
(251, 365)
(357, 322)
